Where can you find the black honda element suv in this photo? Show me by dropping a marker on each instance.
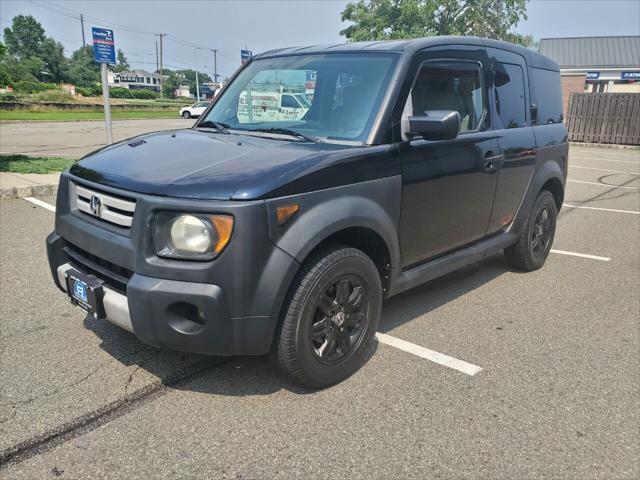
(321, 181)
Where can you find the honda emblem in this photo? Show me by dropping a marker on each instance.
(96, 205)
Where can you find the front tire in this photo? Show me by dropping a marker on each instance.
(536, 237)
(186, 115)
(330, 318)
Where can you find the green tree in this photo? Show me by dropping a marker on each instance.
(24, 38)
(399, 19)
(43, 58)
(173, 81)
(55, 63)
(189, 78)
(83, 71)
(122, 64)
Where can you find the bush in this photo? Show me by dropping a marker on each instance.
(32, 87)
(144, 94)
(8, 97)
(121, 92)
(57, 96)
(86, 91)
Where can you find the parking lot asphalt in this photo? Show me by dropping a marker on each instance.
(557, 396)
(74, 139)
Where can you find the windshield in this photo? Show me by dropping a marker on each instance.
(326, 96)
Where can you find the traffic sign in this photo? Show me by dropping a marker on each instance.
(245, 56)
(104, 49)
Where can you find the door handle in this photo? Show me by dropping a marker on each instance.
(490, 164)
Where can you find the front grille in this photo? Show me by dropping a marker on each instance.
(113, 275)
(107, 207)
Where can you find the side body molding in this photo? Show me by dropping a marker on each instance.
(374, 205)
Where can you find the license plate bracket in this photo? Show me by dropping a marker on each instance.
(86, 291)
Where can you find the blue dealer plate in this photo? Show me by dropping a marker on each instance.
(80, 290)
(86, 292)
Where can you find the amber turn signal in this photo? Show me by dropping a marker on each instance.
(224, 226)
(285, 212)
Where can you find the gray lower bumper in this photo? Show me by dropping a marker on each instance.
(115, 304)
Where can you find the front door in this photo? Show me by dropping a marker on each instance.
(448, 186)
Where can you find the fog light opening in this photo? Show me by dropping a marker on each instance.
(186, 317)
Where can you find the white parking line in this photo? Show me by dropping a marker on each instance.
(581, 255)
(571, 157)
(603, 184)
(604, 170)
(602, 209)
(40, 203)
(427, 354)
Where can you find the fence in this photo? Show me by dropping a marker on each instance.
(604, 118)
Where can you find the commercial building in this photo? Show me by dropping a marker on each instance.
(135, 79)
(595, 64)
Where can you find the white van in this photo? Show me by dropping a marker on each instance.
(272, 106)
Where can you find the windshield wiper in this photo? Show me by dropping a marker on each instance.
(287, 131)
(220, 127)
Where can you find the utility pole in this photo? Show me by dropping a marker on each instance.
(82, 26)
(215, 65)
(157, 64)
(161, 79)
(195, 56)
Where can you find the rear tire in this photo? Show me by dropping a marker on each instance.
(536, 236)
(186, 115)
(330, 318)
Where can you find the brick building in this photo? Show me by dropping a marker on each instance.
(595, 64)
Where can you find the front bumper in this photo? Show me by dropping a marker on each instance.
(227, 306)
(175, 315)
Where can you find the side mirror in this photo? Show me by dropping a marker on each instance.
(436, 125)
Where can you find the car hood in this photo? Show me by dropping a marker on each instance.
(198, 164)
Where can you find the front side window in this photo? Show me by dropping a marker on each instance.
(449, 85)
(328, 96)
(508, 87)
(289, 102)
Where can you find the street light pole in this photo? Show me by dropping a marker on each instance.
(195, 55)
(215, 65)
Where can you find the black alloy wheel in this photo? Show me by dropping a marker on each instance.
(536, 235)
(541, 233)
(330, 317)
(339, 320)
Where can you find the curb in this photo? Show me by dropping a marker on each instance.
(605, 145)
(30, 191)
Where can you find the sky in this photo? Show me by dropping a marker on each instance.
(193, 28)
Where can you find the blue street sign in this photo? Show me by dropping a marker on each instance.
(104, 49)
(245, 55)
(593, 75)
(630, 75)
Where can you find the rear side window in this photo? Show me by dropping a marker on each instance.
(446, 85)
(548, 96)
(508, 84)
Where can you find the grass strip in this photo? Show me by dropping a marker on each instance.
(74, 116)
(26, 164)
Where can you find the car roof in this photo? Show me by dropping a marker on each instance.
(409, 47)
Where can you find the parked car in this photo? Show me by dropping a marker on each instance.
(246, 236)
(194, 110)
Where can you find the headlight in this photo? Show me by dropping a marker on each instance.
(191, 236)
